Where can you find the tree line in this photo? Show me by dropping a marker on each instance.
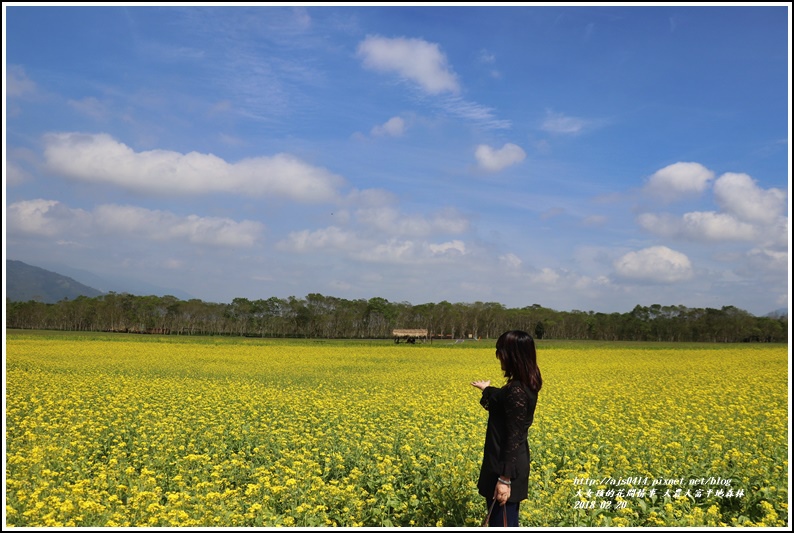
(319, 316)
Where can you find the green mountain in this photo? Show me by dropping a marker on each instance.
(26, 282)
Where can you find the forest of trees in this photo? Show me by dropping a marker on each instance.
(318, 316)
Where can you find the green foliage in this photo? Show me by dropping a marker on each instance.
(318, 316)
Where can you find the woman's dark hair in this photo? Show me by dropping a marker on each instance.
(516, 349)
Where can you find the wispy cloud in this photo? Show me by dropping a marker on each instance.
(457, 106)
(91, 107)
(563, 124)
(359, 248)
(17, 83)
(390, 221)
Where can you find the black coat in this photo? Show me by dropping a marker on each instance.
(511, 410)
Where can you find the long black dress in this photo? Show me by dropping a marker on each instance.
(511, 410)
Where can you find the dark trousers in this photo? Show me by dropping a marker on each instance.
(497, 519)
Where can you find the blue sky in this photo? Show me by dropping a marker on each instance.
(588, 158)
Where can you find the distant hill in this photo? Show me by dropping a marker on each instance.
(779, 313)
(115, 283)
(26, 282)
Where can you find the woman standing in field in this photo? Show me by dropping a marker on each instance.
(504, 475)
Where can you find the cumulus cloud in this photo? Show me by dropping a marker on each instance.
(415, 60)
(740, 195)
(698, 226)
(394, 127)
(655, 264)
(98, 158)
(50, 218)
(45, 218)
(491, 160)
(678, 180)
(749, 213)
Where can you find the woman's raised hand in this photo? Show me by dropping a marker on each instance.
(481, 384)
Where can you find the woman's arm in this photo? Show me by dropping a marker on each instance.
(515, 403)
(482, 384)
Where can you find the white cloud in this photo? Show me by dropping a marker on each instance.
(510, 260)
(302, 18)
(486, 57)
(45, 218)
(551, 213)
(394, 127)
(423, 64)
(739, 195)
(492, 160)
(389, 220)
(332, 237)
(90, 106)
(678, 180)
(455, 105)
(749, 213)
(766, 260)
(559, 123)
(655, 264)
(17, 83)
(716, 226)
(594, 220)
(165, 226)
(50, 218)
(416, 60)
(392, 251)
(447, 247)
(698, 226)
(340, 285)
(370, 249)
(397, 251)
(546, 276)
(98, 158)
(15, 174)
(174, 264)
(371, 197)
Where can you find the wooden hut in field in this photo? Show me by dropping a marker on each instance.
(409, 335)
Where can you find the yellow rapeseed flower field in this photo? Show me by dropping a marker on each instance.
(106, 430)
